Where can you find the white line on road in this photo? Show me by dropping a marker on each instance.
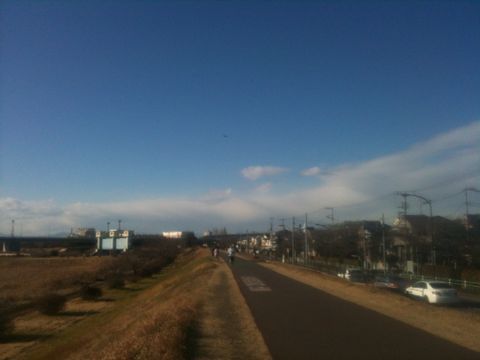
(254, 284)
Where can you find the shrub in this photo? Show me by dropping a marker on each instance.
(146, 271)
(6, 321)
(89, 292)
(51, 304)
(6, 325)
(116, 282)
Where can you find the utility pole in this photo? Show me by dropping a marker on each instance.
(12, 234)
(332, 215)
(404, 204)
(306, 239)
(467, 221)
(294, 253)
(365, 250)
(271, 232)
(429, 203)
(383, 242)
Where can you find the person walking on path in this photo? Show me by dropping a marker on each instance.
(231, 254)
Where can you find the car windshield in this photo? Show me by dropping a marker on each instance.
(439, 285)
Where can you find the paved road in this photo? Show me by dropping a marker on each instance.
(300, 322)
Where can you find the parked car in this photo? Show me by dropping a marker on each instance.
(434, 292)
(390, 281)
(356, 275)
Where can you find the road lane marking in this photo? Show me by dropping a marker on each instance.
(254, 284)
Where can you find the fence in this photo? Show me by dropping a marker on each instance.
(335, 268)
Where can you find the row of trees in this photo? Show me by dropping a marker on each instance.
(441, 242)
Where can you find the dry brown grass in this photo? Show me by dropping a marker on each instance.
(163, 336)
(21, 279)
(192, 310)
(460, 327)
(226, 327)
(196, 313)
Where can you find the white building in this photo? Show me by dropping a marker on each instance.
(114, 240)
(177, 234)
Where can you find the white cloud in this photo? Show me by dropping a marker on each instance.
(313, 171)
(214, 195)
(256, 172)
(438, 167)
(264, 188)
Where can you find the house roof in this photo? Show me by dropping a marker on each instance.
(421, 223)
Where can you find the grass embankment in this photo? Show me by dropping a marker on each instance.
(23, 279)
(192, 309)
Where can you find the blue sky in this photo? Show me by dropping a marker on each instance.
(199, 114)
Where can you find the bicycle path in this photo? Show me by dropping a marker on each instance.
(300, 322)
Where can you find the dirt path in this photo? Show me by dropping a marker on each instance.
(227, 329)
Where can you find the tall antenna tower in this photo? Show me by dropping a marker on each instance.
(404, 205)
(332, 214)
(12, 234)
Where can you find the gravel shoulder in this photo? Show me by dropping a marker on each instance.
(460, 327)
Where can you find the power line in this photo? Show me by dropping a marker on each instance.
(447, 182)
(448, 196)
(413, 192)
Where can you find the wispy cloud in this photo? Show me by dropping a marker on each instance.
(256, 172)
(437, 167)
(313, 171)
(264, 188)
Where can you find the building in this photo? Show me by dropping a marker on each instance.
(178, 234)
(257, 242)
(86, 233)
(9, 246)
(420, 239)
(114, 240)
(411, 235)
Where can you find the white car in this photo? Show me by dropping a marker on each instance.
(352, 274)
(434, 292)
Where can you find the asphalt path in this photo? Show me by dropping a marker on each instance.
(300, 322)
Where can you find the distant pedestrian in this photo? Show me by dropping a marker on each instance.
(215, 252)
(231, 254)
